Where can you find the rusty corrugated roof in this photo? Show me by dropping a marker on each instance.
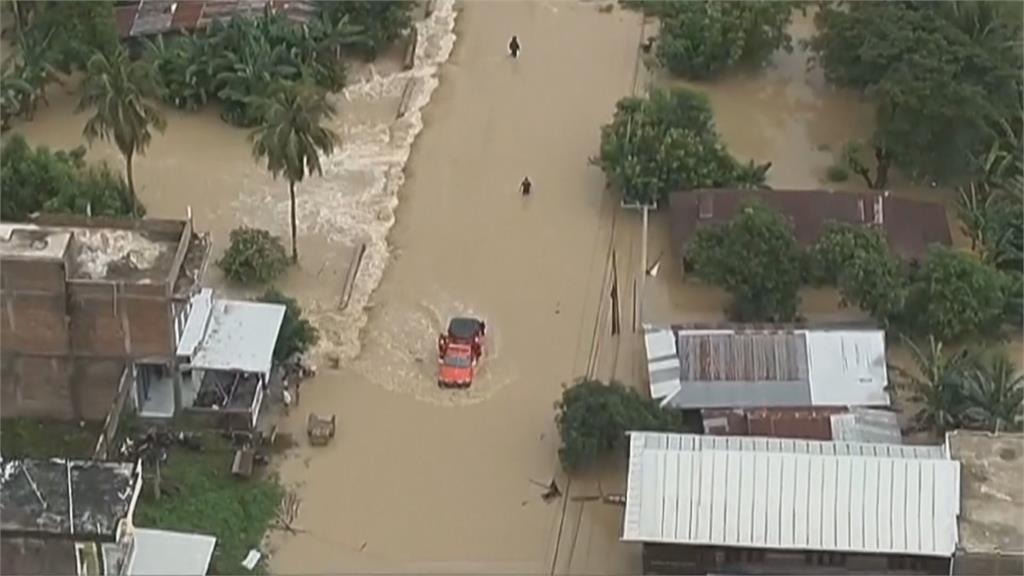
(149, 17)
(743, 357)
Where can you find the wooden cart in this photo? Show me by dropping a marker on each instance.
(320, 430)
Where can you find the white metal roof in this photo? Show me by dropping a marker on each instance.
(240, 336)
(791, 494)
(847, 368)
(166, 553)
(830, 368)
(198, 320)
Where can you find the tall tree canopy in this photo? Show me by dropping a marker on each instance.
(942, 74)
(293, 137)
(665, 143)
(122, 95)
(699, 39)
(754, 257)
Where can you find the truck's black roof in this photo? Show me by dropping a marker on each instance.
(463, 328)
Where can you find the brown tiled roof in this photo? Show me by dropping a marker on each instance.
(910, 226)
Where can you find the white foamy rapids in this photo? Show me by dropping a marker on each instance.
(356, 198)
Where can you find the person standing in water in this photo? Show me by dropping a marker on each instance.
(513, 46)
(525, 186)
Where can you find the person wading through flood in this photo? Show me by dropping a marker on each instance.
(513, 46)
(525, 186)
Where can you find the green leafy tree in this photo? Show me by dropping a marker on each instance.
(293, 137)
(32, 69)
(253, 255)
(941, 76)
(593, 418)
(856, 259)
(755, 258)
(120, 92)
(994, 394)
(80, 28)
(953, 296)
(381, 22)
(40, 180)
(666, 143)
(297, 335)
(699, 39)
(934, 382)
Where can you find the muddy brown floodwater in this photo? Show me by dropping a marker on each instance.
(421, 480)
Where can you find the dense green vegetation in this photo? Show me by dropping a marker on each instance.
(969, 388)
(667, 142)
(593, 419)
(253, 256)
(41, 180)
(755, 258)
(199, 494)
(950, 295)
(945, 78)
(297, 335)
(700, 39)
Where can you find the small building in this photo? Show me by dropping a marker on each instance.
(991, 502)
(909, 226)
(66, 517)
(82, 299)
(739, 367)
(856, 424)
(750, 505)
(226, 353)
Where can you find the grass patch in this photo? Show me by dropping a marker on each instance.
(201, 495)
(30, 438)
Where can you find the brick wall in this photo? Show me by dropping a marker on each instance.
(33, 315)
(59, 388)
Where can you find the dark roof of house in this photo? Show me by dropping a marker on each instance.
(910, 226)
(148, 17)
(66, 498)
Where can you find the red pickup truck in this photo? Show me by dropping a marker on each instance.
(458, 352)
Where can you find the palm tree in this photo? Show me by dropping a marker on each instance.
(292, 137)
(994, 394)
(122, 93)
(935, 383)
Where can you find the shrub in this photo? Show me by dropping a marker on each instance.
(953, 297)
(699, 39)
(253, 256)
(754, 257)
(593, 419)
(297, 335)
(665, 143)
(837, 173)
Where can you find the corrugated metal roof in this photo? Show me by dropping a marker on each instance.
(240, 336)
(198, 320)
(817, 423)
(791, 494)
(736, 368)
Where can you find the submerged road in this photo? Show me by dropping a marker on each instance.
(420, 480)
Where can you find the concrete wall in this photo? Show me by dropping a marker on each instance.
(113, 321)
(693, 560)
(58, 387)
(988, 564)
(33, 313)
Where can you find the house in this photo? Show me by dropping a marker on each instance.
(750, 505)
(855, 424)
(65, 517)
(991, 523)
(752, 367)
(225, 353)
(139, 18)
(82, 300)
(909, 226)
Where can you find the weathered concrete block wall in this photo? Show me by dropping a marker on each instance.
(58, 388)
(33, 314)
(111, 322)
(36, 387)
